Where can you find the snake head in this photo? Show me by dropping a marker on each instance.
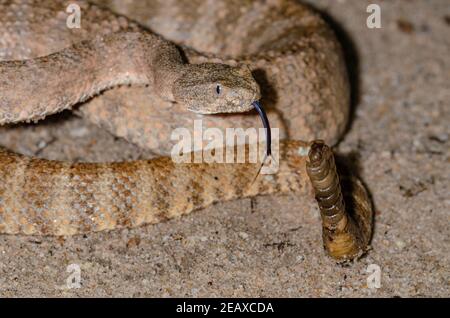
(211, 88)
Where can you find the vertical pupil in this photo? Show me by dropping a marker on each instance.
(218, 89)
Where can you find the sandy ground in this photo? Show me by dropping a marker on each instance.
(398, 140)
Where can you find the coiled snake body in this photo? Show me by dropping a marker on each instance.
(277, 51)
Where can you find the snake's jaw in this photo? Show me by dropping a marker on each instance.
(228, 108)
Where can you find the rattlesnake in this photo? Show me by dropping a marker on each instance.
(49, 67)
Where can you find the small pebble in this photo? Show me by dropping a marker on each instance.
(400, 244)
(243, 235)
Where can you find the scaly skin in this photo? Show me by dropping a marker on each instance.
(292, 53)
(44, 197)
(59, 198)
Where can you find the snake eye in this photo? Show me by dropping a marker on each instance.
(218, 89)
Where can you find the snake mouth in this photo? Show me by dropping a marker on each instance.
(229, 107)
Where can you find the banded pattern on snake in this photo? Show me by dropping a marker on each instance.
(48, 67)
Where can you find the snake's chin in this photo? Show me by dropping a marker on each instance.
(227, 109)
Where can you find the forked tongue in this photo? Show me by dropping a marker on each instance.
(266, 124)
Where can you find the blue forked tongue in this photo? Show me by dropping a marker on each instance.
(266, 125)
